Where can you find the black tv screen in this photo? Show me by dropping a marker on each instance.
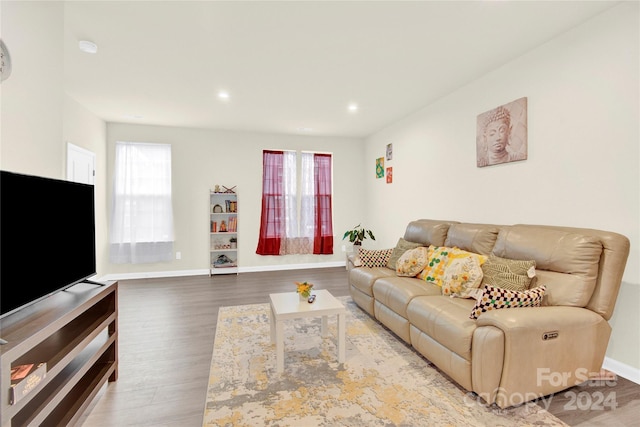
(47, 235)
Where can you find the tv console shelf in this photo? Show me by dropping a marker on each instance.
(76, 333)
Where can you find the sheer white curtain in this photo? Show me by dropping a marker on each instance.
(307, 200)
(292, 241)
(142, 213)
(290, 220)
(299, 238)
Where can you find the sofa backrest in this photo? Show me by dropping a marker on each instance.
(428, 231)
(476, 238)
(580, 267)
(608, 267)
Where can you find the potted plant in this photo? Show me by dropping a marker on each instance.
(233, 242)
(357, 234)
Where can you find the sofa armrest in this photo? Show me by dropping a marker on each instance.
(528, 319)
(546, 349)
(351, 258)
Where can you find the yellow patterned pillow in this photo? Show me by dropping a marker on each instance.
(434, 270)
(463, 273)
(412, 262)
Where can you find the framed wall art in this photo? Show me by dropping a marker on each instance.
(380, 167)
(501, 134)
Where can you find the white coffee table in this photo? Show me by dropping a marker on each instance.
(288, 305)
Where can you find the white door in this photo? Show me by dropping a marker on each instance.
(81, 165)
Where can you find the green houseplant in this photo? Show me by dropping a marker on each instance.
(357, 234)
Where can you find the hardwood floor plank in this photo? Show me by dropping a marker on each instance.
(166, 332)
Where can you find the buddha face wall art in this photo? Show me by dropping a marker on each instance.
(501, 135)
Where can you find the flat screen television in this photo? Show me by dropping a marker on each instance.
(47, 238)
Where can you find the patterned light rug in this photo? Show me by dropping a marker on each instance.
(383, 382)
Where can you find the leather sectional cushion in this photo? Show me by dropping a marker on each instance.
(363, 278)
(552, 249)
(476, 238)
(396, 292)
(428, 231)
(564, 289)
(576, 256)
(446, 320)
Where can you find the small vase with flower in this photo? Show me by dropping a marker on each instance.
(304, 290)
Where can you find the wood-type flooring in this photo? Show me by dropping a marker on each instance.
(166, 333)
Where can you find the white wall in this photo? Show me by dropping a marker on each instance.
(31, 133)
(204, 158)
(37, 119)
(82, 128)
(584, 161)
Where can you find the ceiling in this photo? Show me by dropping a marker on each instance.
(294, 67)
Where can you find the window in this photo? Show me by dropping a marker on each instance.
(282, 230)
(142, 214)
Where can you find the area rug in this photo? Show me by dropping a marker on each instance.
(383, 382)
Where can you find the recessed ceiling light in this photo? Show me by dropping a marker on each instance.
(223, 95)
(303, 129)
(87, 46)
(353, 107)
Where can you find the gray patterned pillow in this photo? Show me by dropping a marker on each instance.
(508, 273)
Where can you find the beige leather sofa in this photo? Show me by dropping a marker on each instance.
(507, 356)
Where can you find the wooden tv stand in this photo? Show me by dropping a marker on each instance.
(76, 333)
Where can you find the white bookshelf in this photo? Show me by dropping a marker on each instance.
(223, 231)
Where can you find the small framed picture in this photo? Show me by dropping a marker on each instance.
(380, 167)
(389, 151)
(389, 175)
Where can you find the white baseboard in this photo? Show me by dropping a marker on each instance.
(291, 267)
(205, 272)
(625, 371)
(154, 274)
